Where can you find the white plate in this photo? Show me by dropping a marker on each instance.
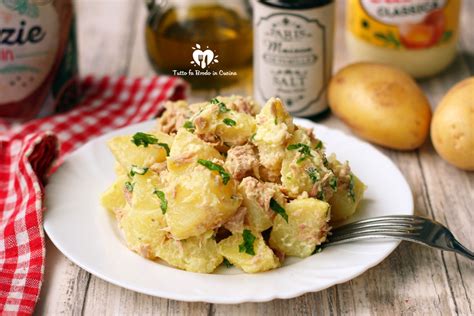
(88, 235)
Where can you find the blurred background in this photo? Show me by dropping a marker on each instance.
(111, 35)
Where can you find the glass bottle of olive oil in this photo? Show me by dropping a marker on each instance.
(208, 43)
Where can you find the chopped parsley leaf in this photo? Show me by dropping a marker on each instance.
(321, 196)
(252, 138)
(215, 167)
(325, 161)
(163, 201)
(166, 147)
(227, 263)
(303, 149)
(318, 249)
(229, 122)
(138, 170)
(189, 126)
(144, 139)
(319, 145)
(129, 186)
(278, 209)
(351, 192)
(223, 108)
(312, 174)
(333, 183)
(247, 245)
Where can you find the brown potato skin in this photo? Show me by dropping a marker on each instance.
(452, 128)
(381, 104)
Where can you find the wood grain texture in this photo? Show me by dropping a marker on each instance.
(413, 280)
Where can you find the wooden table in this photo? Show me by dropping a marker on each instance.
(413, 280)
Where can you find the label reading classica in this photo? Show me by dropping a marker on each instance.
(293, 57)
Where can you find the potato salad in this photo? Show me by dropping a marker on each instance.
(225, 183)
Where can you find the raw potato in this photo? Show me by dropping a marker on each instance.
(452, 128)
(306, 228)
(381, 104)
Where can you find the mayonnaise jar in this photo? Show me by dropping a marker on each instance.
(418, 36)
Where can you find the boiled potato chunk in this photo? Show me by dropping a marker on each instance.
(381, 104)
(195, 254)
(344, 203)
(452, 128)
(187, 149)
(144, 230)
(114, 197)
(198, 201)
(263, 260)
(128, 154)
(256, 199)
(299, 173)
(144, 186)
(274, 128)
(306, 228)
(238, 134)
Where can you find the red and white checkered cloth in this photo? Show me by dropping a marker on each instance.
(27, 153)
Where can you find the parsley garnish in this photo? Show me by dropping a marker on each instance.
(229, 122)
(222, 107)
(333, 183)
(351, 192)
(215, 167)
(303, 149)
(138, 170)
(318, 249)
(227, 263)
(278, 209)
(319, 145)
(189, 126)
(129, 186)
(312, 174)
(321, 196)
(252, 138)
(163, 201)
(144, 139)
(325, 161)
(247, 245)
(166, 147)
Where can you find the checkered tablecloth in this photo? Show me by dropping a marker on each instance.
(31, 151)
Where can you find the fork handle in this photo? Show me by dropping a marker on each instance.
(455, 245)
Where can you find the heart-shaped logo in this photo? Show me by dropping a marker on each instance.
(203, 58)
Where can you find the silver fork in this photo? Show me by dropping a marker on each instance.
(405, 227)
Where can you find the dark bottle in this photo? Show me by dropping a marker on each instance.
(293, 52)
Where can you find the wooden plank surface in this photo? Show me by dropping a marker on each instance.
(413, 280)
